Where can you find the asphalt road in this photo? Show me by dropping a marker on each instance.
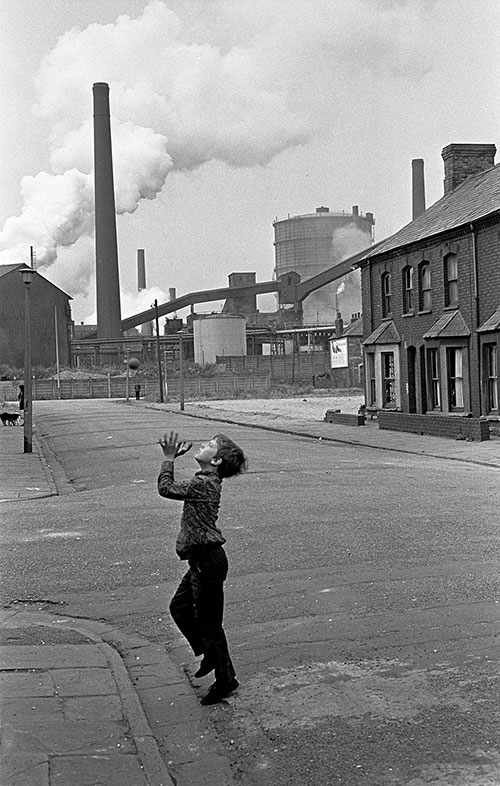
(362, 601)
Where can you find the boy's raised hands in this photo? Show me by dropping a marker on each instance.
(171, 447)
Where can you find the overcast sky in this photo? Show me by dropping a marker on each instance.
(225, 115)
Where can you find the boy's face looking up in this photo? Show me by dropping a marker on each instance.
(207, 453)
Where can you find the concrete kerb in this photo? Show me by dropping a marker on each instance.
(53, 468)
(108, 641)
(46, 468)
(307, 433)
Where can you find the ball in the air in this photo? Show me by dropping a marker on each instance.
(133, 363)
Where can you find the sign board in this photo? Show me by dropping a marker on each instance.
(338, 353)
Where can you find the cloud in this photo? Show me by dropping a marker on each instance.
(228, 80)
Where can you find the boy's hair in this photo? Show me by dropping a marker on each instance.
(233, 460)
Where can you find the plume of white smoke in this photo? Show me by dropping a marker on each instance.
(235, 81)
(135, 302)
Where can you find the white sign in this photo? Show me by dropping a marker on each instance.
(338, 353)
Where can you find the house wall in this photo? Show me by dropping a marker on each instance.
(44, 298)
(413, 325)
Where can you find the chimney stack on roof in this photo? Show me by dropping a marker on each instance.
(418, 188)
(461, 161)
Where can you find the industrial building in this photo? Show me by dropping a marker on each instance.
(312, 243)
(431, 298)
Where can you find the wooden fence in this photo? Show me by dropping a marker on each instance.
(224, 385)
(299, 367)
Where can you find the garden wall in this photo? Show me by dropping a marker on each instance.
(454, 427)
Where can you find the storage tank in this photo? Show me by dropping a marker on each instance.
(217, 335)
(313, 242)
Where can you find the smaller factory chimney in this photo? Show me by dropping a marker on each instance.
(147, 327)
(172, 294)
(141, 270)
(462, 161)
(418, 188)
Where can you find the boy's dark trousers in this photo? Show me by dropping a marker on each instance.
(198, 606)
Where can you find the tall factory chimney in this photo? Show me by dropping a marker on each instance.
(106, 247)
(418, 188)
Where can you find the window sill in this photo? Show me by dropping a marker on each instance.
(408, 314)
(425, 311)
(453, 307)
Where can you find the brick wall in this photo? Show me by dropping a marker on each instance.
(435, 425)
(461, 161)
(488, 253)
(411, 327)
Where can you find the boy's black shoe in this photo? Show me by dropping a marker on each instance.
(206, 666)
(216, 693)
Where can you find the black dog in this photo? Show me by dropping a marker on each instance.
(9, 418)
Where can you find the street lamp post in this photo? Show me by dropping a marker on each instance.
(27, 274)
(127, 378)
(181, 373)
(158, 349)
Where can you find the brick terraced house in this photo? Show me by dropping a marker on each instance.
(431, 298)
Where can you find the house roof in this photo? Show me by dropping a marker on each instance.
(5, 269)
(492, 323)
(354, 328)
(9, 268)
(450, 324)
(385, 333)
(477, 197)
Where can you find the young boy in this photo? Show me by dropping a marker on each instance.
(198, 604)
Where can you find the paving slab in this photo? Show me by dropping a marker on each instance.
(70, 713)
(24, 769)
(23, 475)
(81, 656)
(111, 770)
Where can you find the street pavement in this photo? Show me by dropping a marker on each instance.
(71, 712)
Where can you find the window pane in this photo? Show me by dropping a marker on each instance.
(490, 351)
(389, 378)
(425, 286)
(433, 379)
(453, 291)
(455, 381)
